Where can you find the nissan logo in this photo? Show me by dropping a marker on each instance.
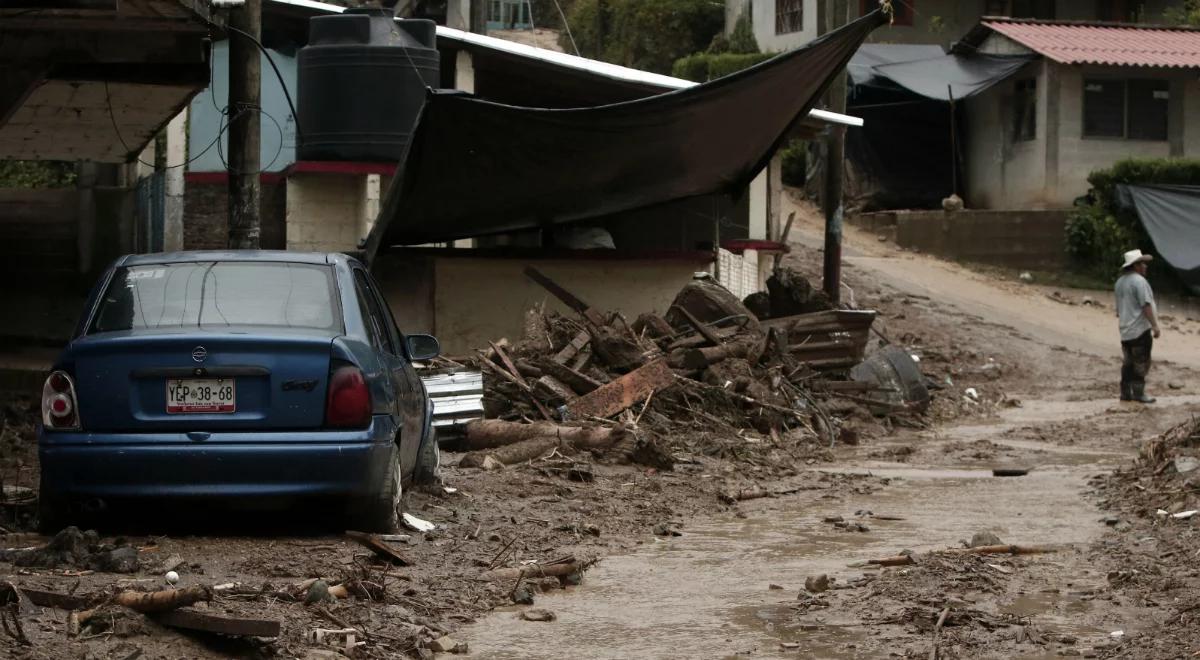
(199, 353)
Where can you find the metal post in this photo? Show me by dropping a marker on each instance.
(831, 199)
(245, 92)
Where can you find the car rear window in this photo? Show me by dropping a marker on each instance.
(217, 294)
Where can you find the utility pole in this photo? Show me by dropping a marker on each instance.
(245, 92)
(479, 15)
(835, 151)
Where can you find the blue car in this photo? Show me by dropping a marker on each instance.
(241, 375)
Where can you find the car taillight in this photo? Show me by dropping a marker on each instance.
(349, 403)
(59, 405)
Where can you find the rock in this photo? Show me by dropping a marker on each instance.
(549, 584)
(445, 644)
(318, 592)
(422, 653)
(1026, 276)
(538, 615)
(1111, 520)
(952, 204)
(1185, 464)
(774, 587)
(816, 583)
(522, 595)
(832, 519)
(120, 560)
(1175, 386)
(490, 463)
(1122, 526)
(980, 539)
(592, 530)
(664, 529)
(574, 579)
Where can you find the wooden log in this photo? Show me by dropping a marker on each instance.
(577, 381)
(655, 326)
(529, 370)
(162, 601)
(614, 397)
(515, 379)
(489, 433)
(616, 350)
(375, 544)
(533, 571)
(222, 625)
(900, 560)
(749, 347)
(518, 452)
(43, 598)
(736, 496)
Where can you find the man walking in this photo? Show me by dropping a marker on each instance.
(1139, 325)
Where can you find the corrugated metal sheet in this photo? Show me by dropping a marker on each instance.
(1112, 45)
(457, 398)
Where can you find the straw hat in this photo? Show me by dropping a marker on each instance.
(1134, 256)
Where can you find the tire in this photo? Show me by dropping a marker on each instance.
(429, 460)
(380, 513)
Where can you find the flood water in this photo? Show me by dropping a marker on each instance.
(706, 594)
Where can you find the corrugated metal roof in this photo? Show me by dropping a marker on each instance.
(1106, 44)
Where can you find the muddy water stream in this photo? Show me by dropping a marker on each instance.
(706, 594)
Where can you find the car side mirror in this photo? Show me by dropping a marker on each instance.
(423, 347)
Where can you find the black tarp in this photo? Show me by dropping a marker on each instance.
(952, 76)
(475, 168)
(1171, 215)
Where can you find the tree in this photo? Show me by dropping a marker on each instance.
(36, 174)
(644, 34)
(1188, 14)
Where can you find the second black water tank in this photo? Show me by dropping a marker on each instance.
(362, 80)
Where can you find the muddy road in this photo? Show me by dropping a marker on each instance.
(733, 585)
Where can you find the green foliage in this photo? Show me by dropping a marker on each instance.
(1187, 14)
(643, 34)
(1100, 230)
(794, 160)
(36, 174)
(703, 67)
(741, 39)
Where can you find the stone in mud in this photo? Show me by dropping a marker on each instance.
(446, 644)
(318, 592)
(816, 583)
(981, 539)
(522, 595)
(1185, 464)
(774, 587)
(119, 560)
(538, 615)
(664, 529)
(832, 519)
(573, 580)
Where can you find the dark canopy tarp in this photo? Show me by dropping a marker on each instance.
(862, 66)
(1171, 215)
(961, 75)
(475, 168)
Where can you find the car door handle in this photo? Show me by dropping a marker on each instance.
(199, 436)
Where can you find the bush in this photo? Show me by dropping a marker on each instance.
(1100, 230)
(36, 174)
(703, 67)
(644, 34)
(794, 163)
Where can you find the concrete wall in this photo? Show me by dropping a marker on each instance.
(1003, 173)
(467, 301)
(1016, 239)
(762, 14)
(331, 212)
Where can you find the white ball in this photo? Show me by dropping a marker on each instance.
(172, 577)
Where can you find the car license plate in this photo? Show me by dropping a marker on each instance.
(201, 395)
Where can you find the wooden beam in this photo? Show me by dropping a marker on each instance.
(566, 297)
(375, 544)
(223, 625)
(612, 398)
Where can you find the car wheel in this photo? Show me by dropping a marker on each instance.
(429, 459)
(380, 513)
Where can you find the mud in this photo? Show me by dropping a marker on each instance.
(1046, 403)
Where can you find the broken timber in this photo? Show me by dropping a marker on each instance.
(566, 297)
(223, 625)
(375, 544)
(620, 394)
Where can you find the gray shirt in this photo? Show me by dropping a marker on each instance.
(1133, 293)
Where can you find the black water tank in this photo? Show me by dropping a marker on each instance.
(362, 80)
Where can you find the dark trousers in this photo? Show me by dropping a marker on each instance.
(1137, 360)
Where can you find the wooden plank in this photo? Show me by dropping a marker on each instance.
(633, 387)
(570, 350)
(580, 382)
(223, 625)
(566, 297)
(512, 368)
(375, 544)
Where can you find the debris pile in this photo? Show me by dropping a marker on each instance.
(709, 370)
(1164, 482)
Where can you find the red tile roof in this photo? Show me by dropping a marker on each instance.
(1108, 44)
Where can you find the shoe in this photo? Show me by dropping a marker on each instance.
(1139, 394)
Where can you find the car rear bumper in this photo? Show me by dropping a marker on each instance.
(226, 465)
